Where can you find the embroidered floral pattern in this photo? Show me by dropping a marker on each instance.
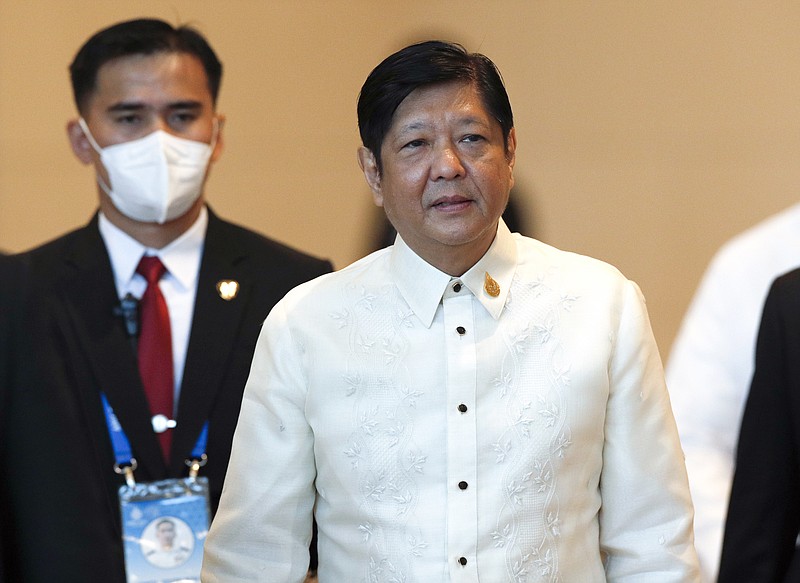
(530, 480)
(527, 437)
(381, 449)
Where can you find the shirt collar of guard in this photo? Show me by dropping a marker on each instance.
(422, 285)
(181, 257)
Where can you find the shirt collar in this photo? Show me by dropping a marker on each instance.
(499, 264)
(422, 285)
(181, 257)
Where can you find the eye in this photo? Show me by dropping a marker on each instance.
(128, 119)
(472, 138)
(181, 118)
(413, 144)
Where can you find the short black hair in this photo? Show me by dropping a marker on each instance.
(144, 36)
(420, 64)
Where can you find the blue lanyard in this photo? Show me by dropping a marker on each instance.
(119, 441)
(122, 446)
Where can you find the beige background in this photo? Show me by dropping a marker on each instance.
(649, 131)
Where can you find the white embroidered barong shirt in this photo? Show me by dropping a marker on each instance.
(443, 434)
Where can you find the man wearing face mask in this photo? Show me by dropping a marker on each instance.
(141, 324)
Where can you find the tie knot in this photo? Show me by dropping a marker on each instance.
(151, 269)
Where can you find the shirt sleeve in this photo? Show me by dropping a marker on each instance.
(646, 513)
(262, 529)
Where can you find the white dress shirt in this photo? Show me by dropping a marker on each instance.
(448, 435)
(711, 365)
(179, 285)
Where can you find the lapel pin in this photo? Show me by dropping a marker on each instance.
(227, 289)
(491, 286)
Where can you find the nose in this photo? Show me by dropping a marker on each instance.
(167, 121)
(160, 123)
(446, 164)
(153, 124)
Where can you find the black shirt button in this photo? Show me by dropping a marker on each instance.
(456, 287)
(463, 560)
(463, 485)
(462, 407)
(461, 330)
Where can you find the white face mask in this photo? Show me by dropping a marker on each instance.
(156, 178)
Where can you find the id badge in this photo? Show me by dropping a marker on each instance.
(164, 526)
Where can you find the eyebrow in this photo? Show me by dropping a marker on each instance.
(420, 125)
(139, 106)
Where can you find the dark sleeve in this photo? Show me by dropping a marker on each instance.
(11, 292)
(7, 312)
(5, 330)
(763, 514)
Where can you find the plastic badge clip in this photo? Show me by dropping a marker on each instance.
(195, 465)
(127, 471)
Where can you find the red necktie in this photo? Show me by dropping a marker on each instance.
(155, 347)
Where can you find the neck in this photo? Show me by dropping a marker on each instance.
(152, 235)
(454, 260)
(455, 266)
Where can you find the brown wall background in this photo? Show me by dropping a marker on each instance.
(649, 132)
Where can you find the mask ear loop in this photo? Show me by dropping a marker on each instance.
(89, 136)
(81, 122)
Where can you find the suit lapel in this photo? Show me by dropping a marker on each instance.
(90, 297)
(215, 326)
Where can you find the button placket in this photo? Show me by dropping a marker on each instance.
(461, 383)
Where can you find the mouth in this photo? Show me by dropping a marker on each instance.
(451, 203)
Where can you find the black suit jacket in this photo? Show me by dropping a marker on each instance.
(8, 298)
(764, 510)
(61, 516)
(8, 310)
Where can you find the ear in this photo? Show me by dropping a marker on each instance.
(369, 166)
(511, 153)
(79, 142)
(220, 145)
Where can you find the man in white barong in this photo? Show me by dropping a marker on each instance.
(466, 405)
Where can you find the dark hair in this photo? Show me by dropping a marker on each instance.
(139, 37)
(421, 64)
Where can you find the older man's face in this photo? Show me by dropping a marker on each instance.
(446, 174)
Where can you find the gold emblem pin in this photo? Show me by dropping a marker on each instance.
(227, 289)
(491, 286)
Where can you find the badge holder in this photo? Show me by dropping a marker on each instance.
(164, 523)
